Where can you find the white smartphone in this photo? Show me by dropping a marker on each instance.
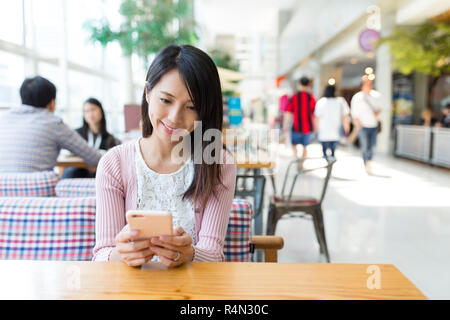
(150, 223)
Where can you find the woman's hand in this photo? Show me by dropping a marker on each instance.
(173, 250)
(133, 253)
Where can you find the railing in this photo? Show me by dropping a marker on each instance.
(441, 147)
(426, 144)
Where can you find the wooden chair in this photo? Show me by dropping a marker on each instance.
(270, 245)
(240, 244)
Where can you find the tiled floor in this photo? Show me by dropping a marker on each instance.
(400, 217)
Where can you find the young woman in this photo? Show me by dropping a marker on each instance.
(94, 126)
(95, 133)
(182, 87)
(331, 115)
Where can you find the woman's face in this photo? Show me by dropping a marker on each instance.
(92, 114)
(171, 109)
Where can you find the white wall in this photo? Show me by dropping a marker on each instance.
(418, 11)
(313, 24)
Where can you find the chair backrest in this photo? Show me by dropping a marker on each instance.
(28, 184)
(47, 228)
(325, 164)
(238, 237)
(75, 188)
(64, 229)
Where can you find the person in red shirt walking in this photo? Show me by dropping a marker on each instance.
(300, 113)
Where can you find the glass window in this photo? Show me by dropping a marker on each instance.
(81, 87)
(114, 60)
(53, 73)
(12, 74)
(113, 109)
(139, 67)
(47, 26)
(11, 21)
(80, 49)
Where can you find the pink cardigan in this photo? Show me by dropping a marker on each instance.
(116, 190)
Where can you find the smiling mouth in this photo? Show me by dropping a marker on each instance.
(168, 128)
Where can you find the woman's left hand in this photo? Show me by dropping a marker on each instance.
(173, 250)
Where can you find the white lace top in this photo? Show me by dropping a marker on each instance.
(161, 191)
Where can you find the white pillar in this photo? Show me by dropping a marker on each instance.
(63, 64)
(383, 81)
(127, 80)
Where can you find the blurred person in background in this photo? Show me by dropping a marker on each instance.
(426, 117)
(444, 121)
(95, 133)
(31, 136)
(300, 113)
(365, 110)
(331, 114)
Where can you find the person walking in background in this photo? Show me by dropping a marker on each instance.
(365, 109)
(95, 133)
(31, 136)
(300, 112)
(331, 114)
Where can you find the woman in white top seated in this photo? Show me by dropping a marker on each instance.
(331, 114)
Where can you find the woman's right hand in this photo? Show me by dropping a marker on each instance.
(131, 251)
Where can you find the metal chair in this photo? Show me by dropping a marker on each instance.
(309, 206)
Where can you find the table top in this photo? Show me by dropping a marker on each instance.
(77, 162)
(198, 280)
(255, 165)
(71, 161)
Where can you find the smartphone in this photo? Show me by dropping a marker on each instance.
(150, 223)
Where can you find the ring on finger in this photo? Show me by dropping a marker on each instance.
(177, 257)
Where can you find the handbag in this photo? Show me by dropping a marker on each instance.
(373, 110)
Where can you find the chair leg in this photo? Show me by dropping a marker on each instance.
(317, 229)
(322, 232)
(271, 220)
(318, 232)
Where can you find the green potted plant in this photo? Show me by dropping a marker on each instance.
(147, 27)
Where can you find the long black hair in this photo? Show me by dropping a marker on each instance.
(330, 91)
(85, 126)
(201, 79)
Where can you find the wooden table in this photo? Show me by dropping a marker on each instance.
(200, 280)
(257, 192)
(71, 162)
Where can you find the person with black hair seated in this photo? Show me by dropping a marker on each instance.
(95, 133)
(31, 136)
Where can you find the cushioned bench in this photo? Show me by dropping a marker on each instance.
(51, 228)
(77, 187)
(47, 228)
(28, 184)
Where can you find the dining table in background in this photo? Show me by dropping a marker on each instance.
(70, 161)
